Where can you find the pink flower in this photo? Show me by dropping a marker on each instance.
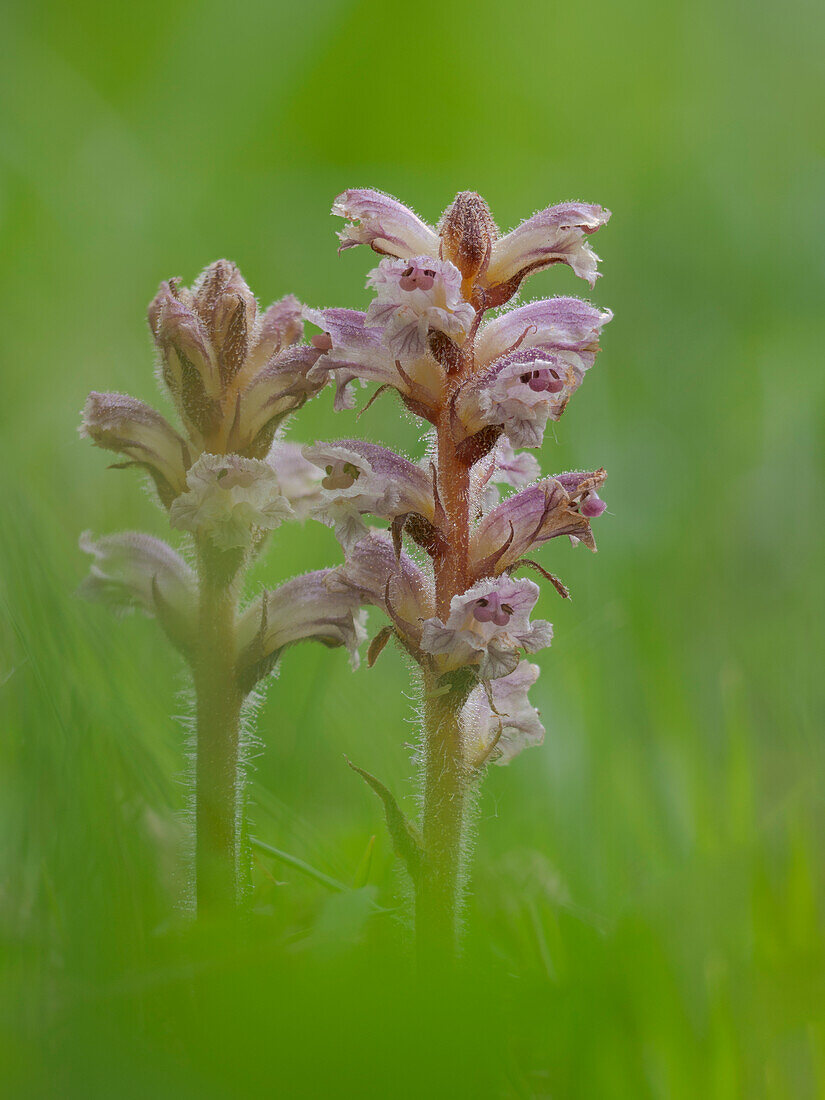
(523, 391)
(530, 361)
(552, 507)
(358, 350)
(414, 297)
(487, 626)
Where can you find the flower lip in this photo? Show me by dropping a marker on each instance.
(543, 379)
(413, 297)
(341, 474)
(491, 609)
(230, 500)
(592, 505)
(417, 277)
(486, 627)
(500, 717)
(520, 392)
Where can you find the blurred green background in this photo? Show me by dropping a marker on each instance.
(647, 913)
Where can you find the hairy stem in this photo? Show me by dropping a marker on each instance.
(447, 791)
(447, 783)
(217, 778)
(454, 487)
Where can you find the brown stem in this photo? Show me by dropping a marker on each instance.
(454, 490)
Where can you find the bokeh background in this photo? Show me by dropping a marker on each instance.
(647, 913)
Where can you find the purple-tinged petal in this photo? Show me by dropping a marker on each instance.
(366, 479)
(299, 479)
(519, 394)
(414, 297)
(353, 349)
(132, 428)
(553, 324)
(278, 389)
(281, 326)
(555, 235)
(543, 511)
(305, 608)
(487, 626)
(502, 466)
(536, 359)
(189, 365)
(131, 570)
(378, 576)
(498, 731)
(383, 223)
(359, 351)
(509, 468)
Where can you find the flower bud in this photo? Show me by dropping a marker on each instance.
(228, 310)
(467, 234)
(183, 342)
(592, 505)
(280, 326)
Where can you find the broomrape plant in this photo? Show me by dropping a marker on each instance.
(484, 386)
(226, 481)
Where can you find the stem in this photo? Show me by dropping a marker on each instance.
(447, 791)
(217, 780)
(447, 783)
(454, 487)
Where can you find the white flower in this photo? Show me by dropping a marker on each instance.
(229, 500)
(500, 722)
(366, 479)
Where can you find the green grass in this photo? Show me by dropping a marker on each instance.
(647, 912)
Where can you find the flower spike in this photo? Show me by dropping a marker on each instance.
(234, 374)
(487, 386)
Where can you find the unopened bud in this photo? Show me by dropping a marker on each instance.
(228, 309)
(467, 234)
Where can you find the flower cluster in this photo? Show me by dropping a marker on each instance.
(486, 384)
(234, 374)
